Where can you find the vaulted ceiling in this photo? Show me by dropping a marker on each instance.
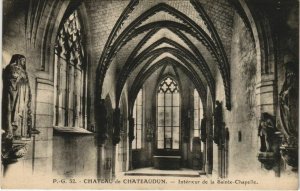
(192, 36)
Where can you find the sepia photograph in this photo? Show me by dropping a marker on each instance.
(150, 94)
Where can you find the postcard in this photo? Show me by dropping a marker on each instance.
(150, 94)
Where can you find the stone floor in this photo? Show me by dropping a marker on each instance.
(150, 171)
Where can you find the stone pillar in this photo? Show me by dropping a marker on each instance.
(116, 124)
(131, 138)
(209, 133)
(113, 164)
(265, 99)
(226, 151)
(116, 138)
(149, 141)
(101, 130)
(186, 137)
(44, 123)
(203, 139)
(100, 159)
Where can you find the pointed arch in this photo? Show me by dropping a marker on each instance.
(181, 27)
(145, 74)
(182, 56)
(191, 27)
(195, 54)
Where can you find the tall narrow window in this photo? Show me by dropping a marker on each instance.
(198, 113)
(138, 122)
(69, 75)
(168, 114)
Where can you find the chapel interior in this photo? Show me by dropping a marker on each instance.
(104, 88)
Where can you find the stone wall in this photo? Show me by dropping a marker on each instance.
(241, 119)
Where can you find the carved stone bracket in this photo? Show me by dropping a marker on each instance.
(267, 159)
(290, 156)
(270, 158)
(12, 150)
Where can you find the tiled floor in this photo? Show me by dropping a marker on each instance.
(150, 171)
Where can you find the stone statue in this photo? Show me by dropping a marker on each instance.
(266, 132)
(16, 103)
(203, 129)
(288, 103)
(131, 129)
(218, 121)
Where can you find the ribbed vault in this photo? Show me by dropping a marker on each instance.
(180, 52)
(159, 30)
(145, 73)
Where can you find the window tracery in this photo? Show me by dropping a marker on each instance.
(70, 75)
(168, 114)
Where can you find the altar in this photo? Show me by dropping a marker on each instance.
(167, 162)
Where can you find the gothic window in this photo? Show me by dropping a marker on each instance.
(198, 113)
(138, 121)
(168, 114)
(70, 75)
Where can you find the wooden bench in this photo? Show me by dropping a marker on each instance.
(167, 162)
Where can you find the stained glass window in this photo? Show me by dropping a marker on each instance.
(138, 121)
(70, 75)
(168, 114)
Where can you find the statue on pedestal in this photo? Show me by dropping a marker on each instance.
(266, 132)
(203, 129)
(16, 111)
(289, 111)
(288, 104)
(16, 100)
(218, 122)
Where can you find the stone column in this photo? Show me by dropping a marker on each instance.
(186, 137)
(116, 138)
(203, 139)
(265, 91)
(131, 138)
(101, 130)
(209, 133)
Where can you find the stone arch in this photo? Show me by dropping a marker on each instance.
(260, 28)
(131, 64)
(53, 24)
(144, 75)
(104, 64)
(178, 54)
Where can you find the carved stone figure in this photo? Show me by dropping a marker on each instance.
(203, 129)
(131, 129)
(16, 103)
(288, 104)
(266, 131)
(218, 122)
